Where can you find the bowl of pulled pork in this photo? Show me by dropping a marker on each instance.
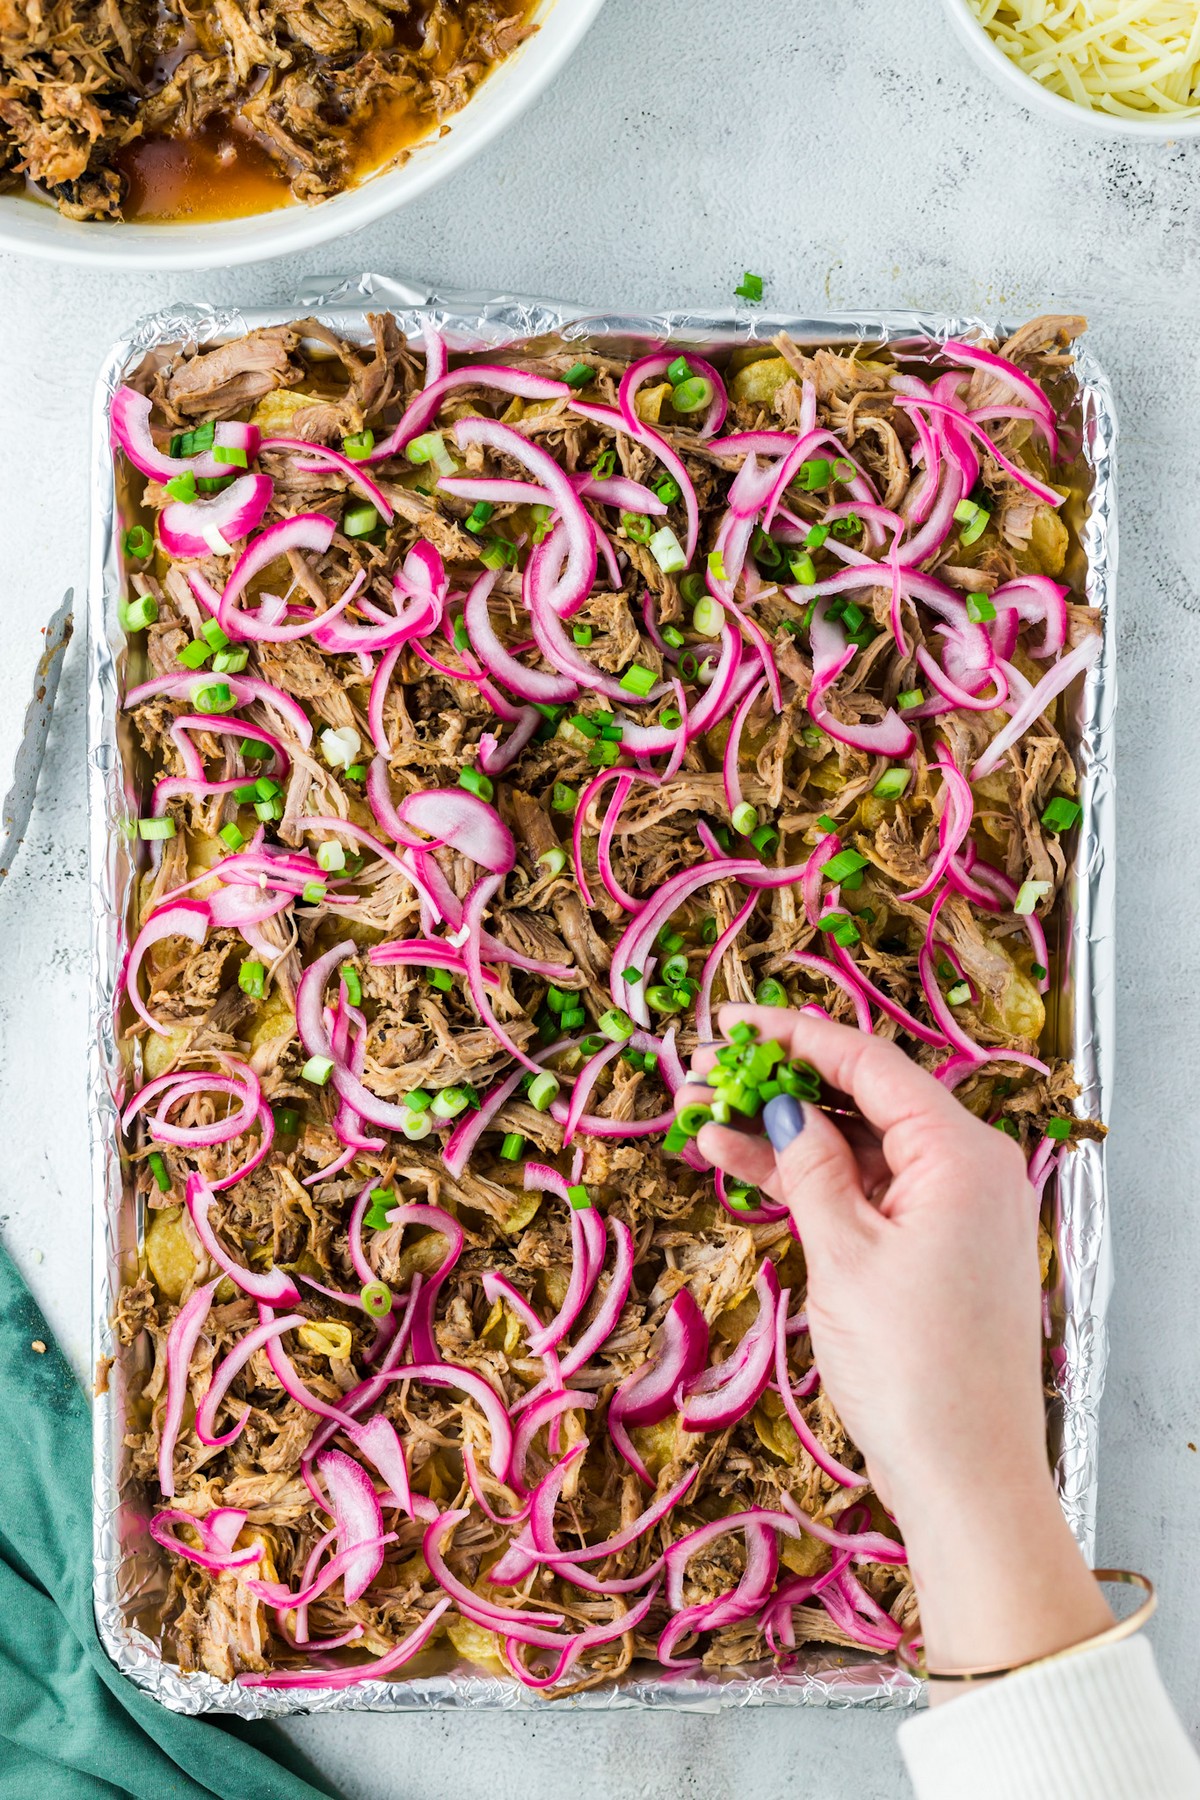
(158, 136)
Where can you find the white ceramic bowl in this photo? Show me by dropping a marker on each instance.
(34, 228)
(1030, 93)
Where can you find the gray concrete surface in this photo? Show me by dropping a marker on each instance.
(852, 155)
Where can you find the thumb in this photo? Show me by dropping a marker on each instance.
(817, 1175)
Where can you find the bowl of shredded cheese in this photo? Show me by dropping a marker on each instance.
(1123, 68)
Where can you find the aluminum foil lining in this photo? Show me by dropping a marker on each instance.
(129, 1572)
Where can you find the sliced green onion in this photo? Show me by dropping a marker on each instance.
(637, 527)
(679, 370)
(745, 818)
(141, 612)
(708, 617)
(416, 1126)
(151, 829)
(579, 1197)
(268, 810)
(254, 750)
(376, 1299)
(182, 487)
(1061, 813)
(803, 568)
(771, 993)
(692, 395)
(980, 610)
(231, 662)
(449, 1103)
(232, 837)
(252, 978)
(359, 521)
(564, 798)
(216, 697)
(974, 520)
(313, 892)
(353, 985)
(638, 680)
(247, 794)
(418, 1100)
(479, 515)
(959, 994)
(543, 1091)
(716, 565)
(1038, 972)
(668, 490)
(692, 1119)
(317, 1069)
(359, 446)
(709, 932)
(846, 862)
(573, 1018)
(430, 447)
(138, 542)
(765, 838)
(331, 857)
(512, 1146)
(750, 287)
(156, 1163)
(669, 941)
(1058, 1129)
(287, 1120)
(441, 979)
(741, 1197)
(670, 718)
(357, 772)
(497, 553)
(909, 698)
(675, 970)
(579, 374)
(603, 466)
(891, 784)
(1029, 894)
(582, 635)
(672, 635)
(667, 551)
(194, 655)
(816, 537)
(765, 549)
(232, 455)
(555, 860)
(265, 788)
(476, 783)
(692, 588)
(847, 527)
(814, 474)
(664, 999)
(615, 1025)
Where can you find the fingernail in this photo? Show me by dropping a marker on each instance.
(784, 1119)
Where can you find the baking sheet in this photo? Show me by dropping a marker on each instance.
(129, 1569)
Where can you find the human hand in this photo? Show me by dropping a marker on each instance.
(920, 1236)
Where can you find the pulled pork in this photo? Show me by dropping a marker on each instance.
(423, 1030)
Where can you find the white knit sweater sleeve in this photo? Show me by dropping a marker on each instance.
(1096, 1726)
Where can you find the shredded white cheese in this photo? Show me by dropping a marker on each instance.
(1128, 57)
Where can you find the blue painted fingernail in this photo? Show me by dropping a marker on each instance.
(784, 1119)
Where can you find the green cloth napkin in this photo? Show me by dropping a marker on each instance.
(71, 1727)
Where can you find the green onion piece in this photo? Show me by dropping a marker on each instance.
(359, 521)
(564, 798)
(317, 1069)
(582, 635)
(313, 892)
(247, 794)
(573, 1018)
(449, 1103)
(750, 287)
(740, 1197)
(771, 993)
(1038, 972)
(670, 718)
(213, 636)
(765, 549)
(512, 1146)
(677, 1140)
(1028, 896)
(579, 374)
(669, 941)
(745, 818)
(615, 1025)
(216, 697)
(330, 857)
(543, 1091)
(891, 784)
(667, 551)
(138, 542)
(182, 487)
(843, 469)
(232, 455)
(909, 698)
(252, 977)
(476, 783)
(664, 999)
(804, 570)
(844, 863)
(1007, 1127)
(230, 662)
(376, 1299)
(847, 933)
(668, 490)
(194, 655)
(637, 527)
(441, 979)
(580, 722)
(959, 994)
(692, 1119)
(765, 838)
(602, 468)
(353, 985)
(709, 932)
(672, 635)
(555, 860)
(357, 772)
(974, 520)
(604, 755)
(498, 553)
(417, 1101)
(689, 668)
(556, 1000)
(1061, 813)
(479, 515)
(852, 615)
(579, 1197)
(151, 829)
(679, 370)
(141, 612)
(265, 788)
(716, 565)
(1058, 1129)
(638, 680)
(287, 1120)
(708, 618)
(980, 610)
(692, 588)
(156, 1163)
(814, 474)
(268, 810)
(254, 750)
(692, 395)
(359, 446)
(833, 921)
(430, 447)
(675, 970)
(232, 837)
(213, 484)
(816, 537)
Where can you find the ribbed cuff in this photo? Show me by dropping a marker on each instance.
(1096, 1726)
